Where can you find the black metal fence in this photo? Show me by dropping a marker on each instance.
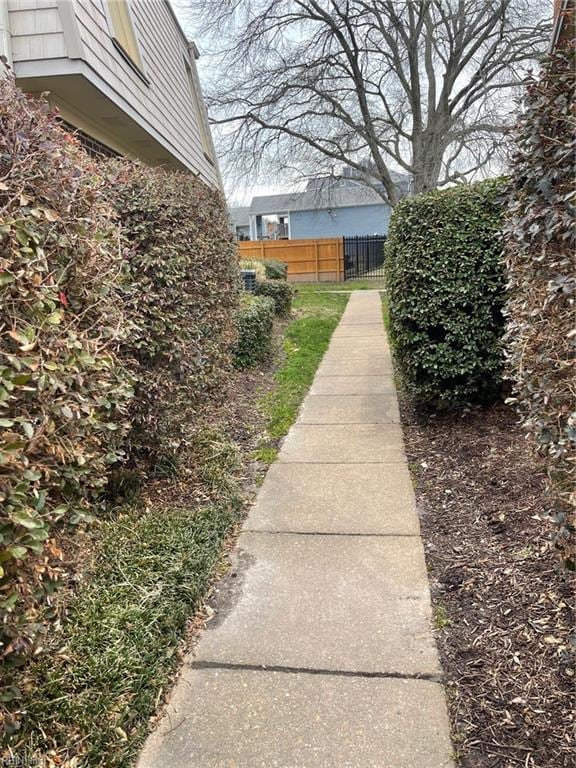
(364, 257)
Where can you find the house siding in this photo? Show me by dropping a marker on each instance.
(166, 101)
(161, 99)
(35, 30)
(340, 222)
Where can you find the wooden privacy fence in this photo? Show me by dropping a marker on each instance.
(308, 261)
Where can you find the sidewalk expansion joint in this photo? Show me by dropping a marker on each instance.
(427, 676)
(341, 461)
(346, 423)
(332, 533)
(354, 394)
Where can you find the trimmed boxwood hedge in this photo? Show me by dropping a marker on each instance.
(254, 326)
(280, 292)
(445, 285)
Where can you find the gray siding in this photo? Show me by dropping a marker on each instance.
(161, 99)
(340, 222)
(165, 102)
(35, 30)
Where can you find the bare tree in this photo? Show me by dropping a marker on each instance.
(424, 87)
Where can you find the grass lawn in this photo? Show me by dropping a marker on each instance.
(87, 700)
(306, 339)
(348, 285)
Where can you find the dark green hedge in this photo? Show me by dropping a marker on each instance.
(280, 292)
(445, 285)
(254, 326)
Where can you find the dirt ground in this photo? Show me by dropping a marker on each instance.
(503, 603)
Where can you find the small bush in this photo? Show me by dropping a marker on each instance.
(181, 292)
(275, 270)
(257, 266)
(254, 323)
(446, 290)
(280, 292)
(64, 393)
(541, 309)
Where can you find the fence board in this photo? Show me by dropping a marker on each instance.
(308, 260)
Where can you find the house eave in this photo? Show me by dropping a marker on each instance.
(74, 81)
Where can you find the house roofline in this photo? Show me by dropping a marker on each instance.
(283, 211)
(190, 43)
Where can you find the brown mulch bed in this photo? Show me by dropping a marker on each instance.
(503, 602)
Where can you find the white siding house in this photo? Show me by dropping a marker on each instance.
(120, 71)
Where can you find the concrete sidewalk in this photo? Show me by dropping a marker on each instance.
(321, 653)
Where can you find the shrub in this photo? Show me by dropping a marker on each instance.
(181, 292)
(280, 293)
(255, 323)
(64, 393)
(275, 270)
(540, 246)
(257, 266)
(445, 286)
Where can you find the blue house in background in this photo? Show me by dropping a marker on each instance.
(326, 208)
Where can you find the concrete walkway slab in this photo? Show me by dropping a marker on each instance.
(356, 603)
(373, 343)
(353, 385)
(320, 653)
(320, 498)
(366, 331)
(366, 366)
(226, 718)
(350, 409)
(343, 444)
(351, 352)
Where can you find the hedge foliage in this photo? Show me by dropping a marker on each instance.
(118, 290)
(445, 287)
(541, 309)
(255, 324)
(64, 391)
(275, 270)
(279, 291)
(181, 292)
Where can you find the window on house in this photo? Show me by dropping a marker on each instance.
(199, 114)
(123, 30)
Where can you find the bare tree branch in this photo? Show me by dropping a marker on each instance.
(417, 86)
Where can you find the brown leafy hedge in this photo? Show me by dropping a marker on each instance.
(541, 309)
(180, 291)
(64, 391)
(118, 287)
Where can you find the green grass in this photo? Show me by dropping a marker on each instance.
(306, 339)
(92, 694)
(441, 619)
(348, 285)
